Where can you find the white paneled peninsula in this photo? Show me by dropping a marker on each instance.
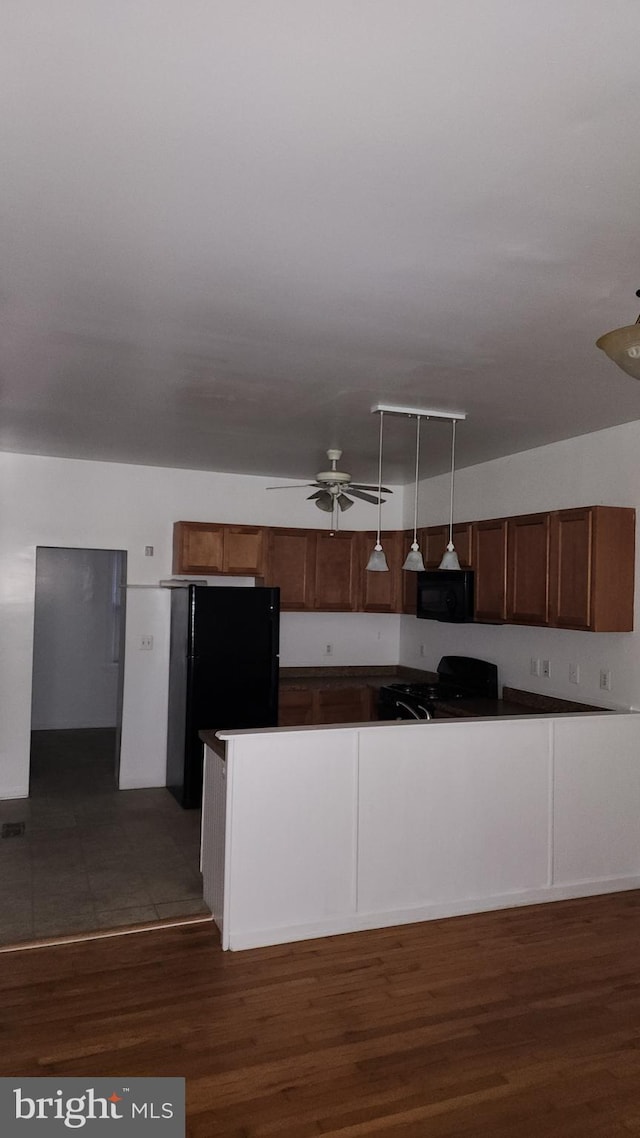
(315, 831)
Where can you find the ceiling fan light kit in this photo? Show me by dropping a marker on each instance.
(333, 489)
(622, 345)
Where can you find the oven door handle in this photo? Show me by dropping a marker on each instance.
(412, 711)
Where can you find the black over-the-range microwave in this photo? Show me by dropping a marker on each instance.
(445, 594)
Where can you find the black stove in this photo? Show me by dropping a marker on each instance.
(459, 677)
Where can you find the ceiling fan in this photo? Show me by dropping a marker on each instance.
(332, 488)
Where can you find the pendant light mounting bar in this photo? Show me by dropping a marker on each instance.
(416, 412)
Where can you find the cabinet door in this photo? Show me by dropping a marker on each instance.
(409, 580)
(244, 550)
(335, 577)
(290, 566)
(528, 569)
(433, 542)
(198, 547)
(613, 569)
(343, 705)
(571, 564)
(490, 564)
(295, 708)
(463, 541)
(381, 592)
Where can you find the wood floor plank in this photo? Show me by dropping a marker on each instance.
(515, 1024)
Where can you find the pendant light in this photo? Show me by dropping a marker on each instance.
(413, 561)
(450, 558)
(377, 562)
(623, 347)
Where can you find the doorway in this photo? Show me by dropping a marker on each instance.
(78, 667)
(83, 855)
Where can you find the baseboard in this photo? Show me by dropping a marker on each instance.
(138, 784)
(76, 727)
(359, 922)
(11, 792)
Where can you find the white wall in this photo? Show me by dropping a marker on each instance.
(355, 638)
(596, 469)
(60, 502)
(76, 646)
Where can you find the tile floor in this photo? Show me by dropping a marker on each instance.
(92, 856)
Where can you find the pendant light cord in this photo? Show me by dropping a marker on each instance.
(453, 466)
(380, 480)
(415, 500)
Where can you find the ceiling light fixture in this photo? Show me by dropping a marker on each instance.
(377, 562)
(413, 561)
(450, 558)
(622, 345)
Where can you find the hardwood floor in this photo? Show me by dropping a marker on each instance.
(510, 1025)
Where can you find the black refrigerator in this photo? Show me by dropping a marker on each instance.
(223, 673)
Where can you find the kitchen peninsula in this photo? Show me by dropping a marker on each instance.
(313, 831)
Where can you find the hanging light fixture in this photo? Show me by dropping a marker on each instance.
(450, 558)
(377, 562)
(413, 560)
(623, 347)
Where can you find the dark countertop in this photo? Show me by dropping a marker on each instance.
(468, 708)
(514, 701)
(309, 679)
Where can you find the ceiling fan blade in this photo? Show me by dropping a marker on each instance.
(324, 502)
(293, 486)
(344, 502)
(364, 497)
(361, 486)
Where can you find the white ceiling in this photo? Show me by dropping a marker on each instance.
(228, 228)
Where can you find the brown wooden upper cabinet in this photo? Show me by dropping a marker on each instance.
(198, 547)
(335, 572)
(592, 568)
(291, 566)
(568, 569)
(434, 541)
(382, 592)
(204, 547)
(490, 565)
(409, 580)
(528, 569)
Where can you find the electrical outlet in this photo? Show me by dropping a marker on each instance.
(146, 643)
(546, 668)
(534, 666)
(422, 651)
(605, 679)
(328, 649)
(574, 673)
(148, 551)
